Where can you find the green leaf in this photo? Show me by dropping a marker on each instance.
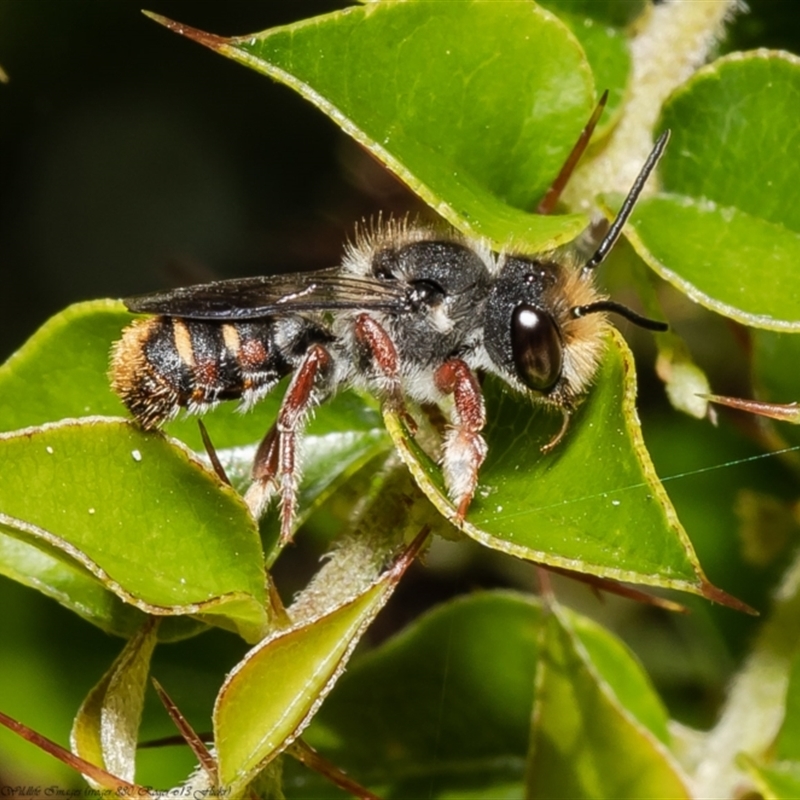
(62, 370)
(779, 781)
(69, 584)
(106, 727)
(727, 229)
(774, 377)
(606, 12)
(344, 435)
(621, 672)
(271, 695)
(607, 52)
(103, 495)
(787, 745)
(580, 730)
(443, 709)
(72, 350)
(734, 263)
(594, 504)
(477, 147)
(735, 152)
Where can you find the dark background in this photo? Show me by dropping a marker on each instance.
(132, 160)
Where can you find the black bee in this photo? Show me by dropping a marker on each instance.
(412, 312)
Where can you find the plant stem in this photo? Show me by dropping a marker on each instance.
(674, 40)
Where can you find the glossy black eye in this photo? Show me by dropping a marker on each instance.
(536, 347)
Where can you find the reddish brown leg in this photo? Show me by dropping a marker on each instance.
(275, 465)
(374, 338)
(265, 464)
(565, 418)
(464, 447)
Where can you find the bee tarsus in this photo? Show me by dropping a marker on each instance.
(464, 449)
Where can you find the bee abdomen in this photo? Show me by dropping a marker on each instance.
(164, 364)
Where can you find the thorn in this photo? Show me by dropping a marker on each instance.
(201, 37)
(553, 194)
(201, 752)
(307, 755)
(407, 556)
(711, 592)
(105, 779)
(212, 454)
(784, 412)
(598, 584)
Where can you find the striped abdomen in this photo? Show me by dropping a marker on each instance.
(163, 364)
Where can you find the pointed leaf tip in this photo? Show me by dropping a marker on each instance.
(716, 595)
(201, 37)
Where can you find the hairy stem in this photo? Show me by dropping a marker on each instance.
(675, 39)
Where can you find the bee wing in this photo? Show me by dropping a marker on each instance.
(253, 298)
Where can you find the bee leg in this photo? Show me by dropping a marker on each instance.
(464, 447)
(275, 465)
(264, 473)
(565, 418)
(372, 336)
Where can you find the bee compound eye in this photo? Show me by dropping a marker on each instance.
(537, 348)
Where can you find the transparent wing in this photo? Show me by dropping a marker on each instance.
(252, 298)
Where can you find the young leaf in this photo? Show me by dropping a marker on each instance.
(106, 727)
(271, 695)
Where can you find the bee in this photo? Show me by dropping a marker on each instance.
(412, 313)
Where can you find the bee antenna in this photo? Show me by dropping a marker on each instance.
(610, 239)
(623, 311)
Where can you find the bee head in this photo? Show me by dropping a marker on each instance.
(531, 333)
(544, 318)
